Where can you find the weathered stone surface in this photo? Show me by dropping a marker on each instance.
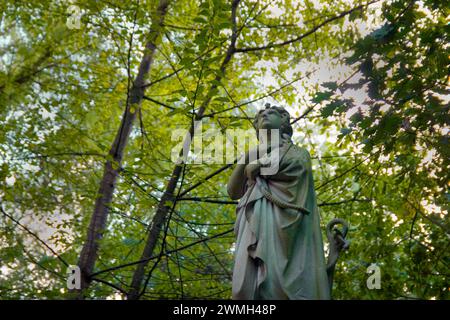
(279, 249)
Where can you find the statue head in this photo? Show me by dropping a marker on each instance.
(273, 117)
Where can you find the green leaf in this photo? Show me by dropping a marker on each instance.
(330, 85)
(321, 96)
(382, 32)
(331, 107)
(131, 242)
(345, 131)
(200, 19)
(356, 117)
(222, 99)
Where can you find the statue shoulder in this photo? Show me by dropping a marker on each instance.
(301, 154)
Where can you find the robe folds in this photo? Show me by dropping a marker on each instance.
(279, 252)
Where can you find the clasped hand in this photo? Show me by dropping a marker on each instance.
(253, 169)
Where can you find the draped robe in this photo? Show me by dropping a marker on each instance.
(279, 252)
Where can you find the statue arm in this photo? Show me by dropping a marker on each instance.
(236, 183)
(291, 169)
(238, 179)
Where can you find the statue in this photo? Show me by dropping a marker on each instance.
(279, 250)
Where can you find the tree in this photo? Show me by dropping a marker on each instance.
(404, 68)
(87, 117)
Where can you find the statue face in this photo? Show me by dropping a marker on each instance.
(269, 119)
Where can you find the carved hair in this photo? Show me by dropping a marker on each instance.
(286, 127)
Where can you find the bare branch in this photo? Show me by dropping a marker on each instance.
(312, 31)
(34, 235)
(164, 254)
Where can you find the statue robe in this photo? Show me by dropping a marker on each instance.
(279, 252)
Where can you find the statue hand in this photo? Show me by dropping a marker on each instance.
(252, 170)
(255, 153)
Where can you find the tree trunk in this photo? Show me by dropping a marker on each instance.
(99, 218)
(168, 196)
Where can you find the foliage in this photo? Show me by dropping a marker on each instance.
(63, 93)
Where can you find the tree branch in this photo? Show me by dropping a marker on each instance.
(34, 235)
(164, 254)
(168, 196)
(312, 31)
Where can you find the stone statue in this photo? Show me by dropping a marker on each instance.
(279, 250)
